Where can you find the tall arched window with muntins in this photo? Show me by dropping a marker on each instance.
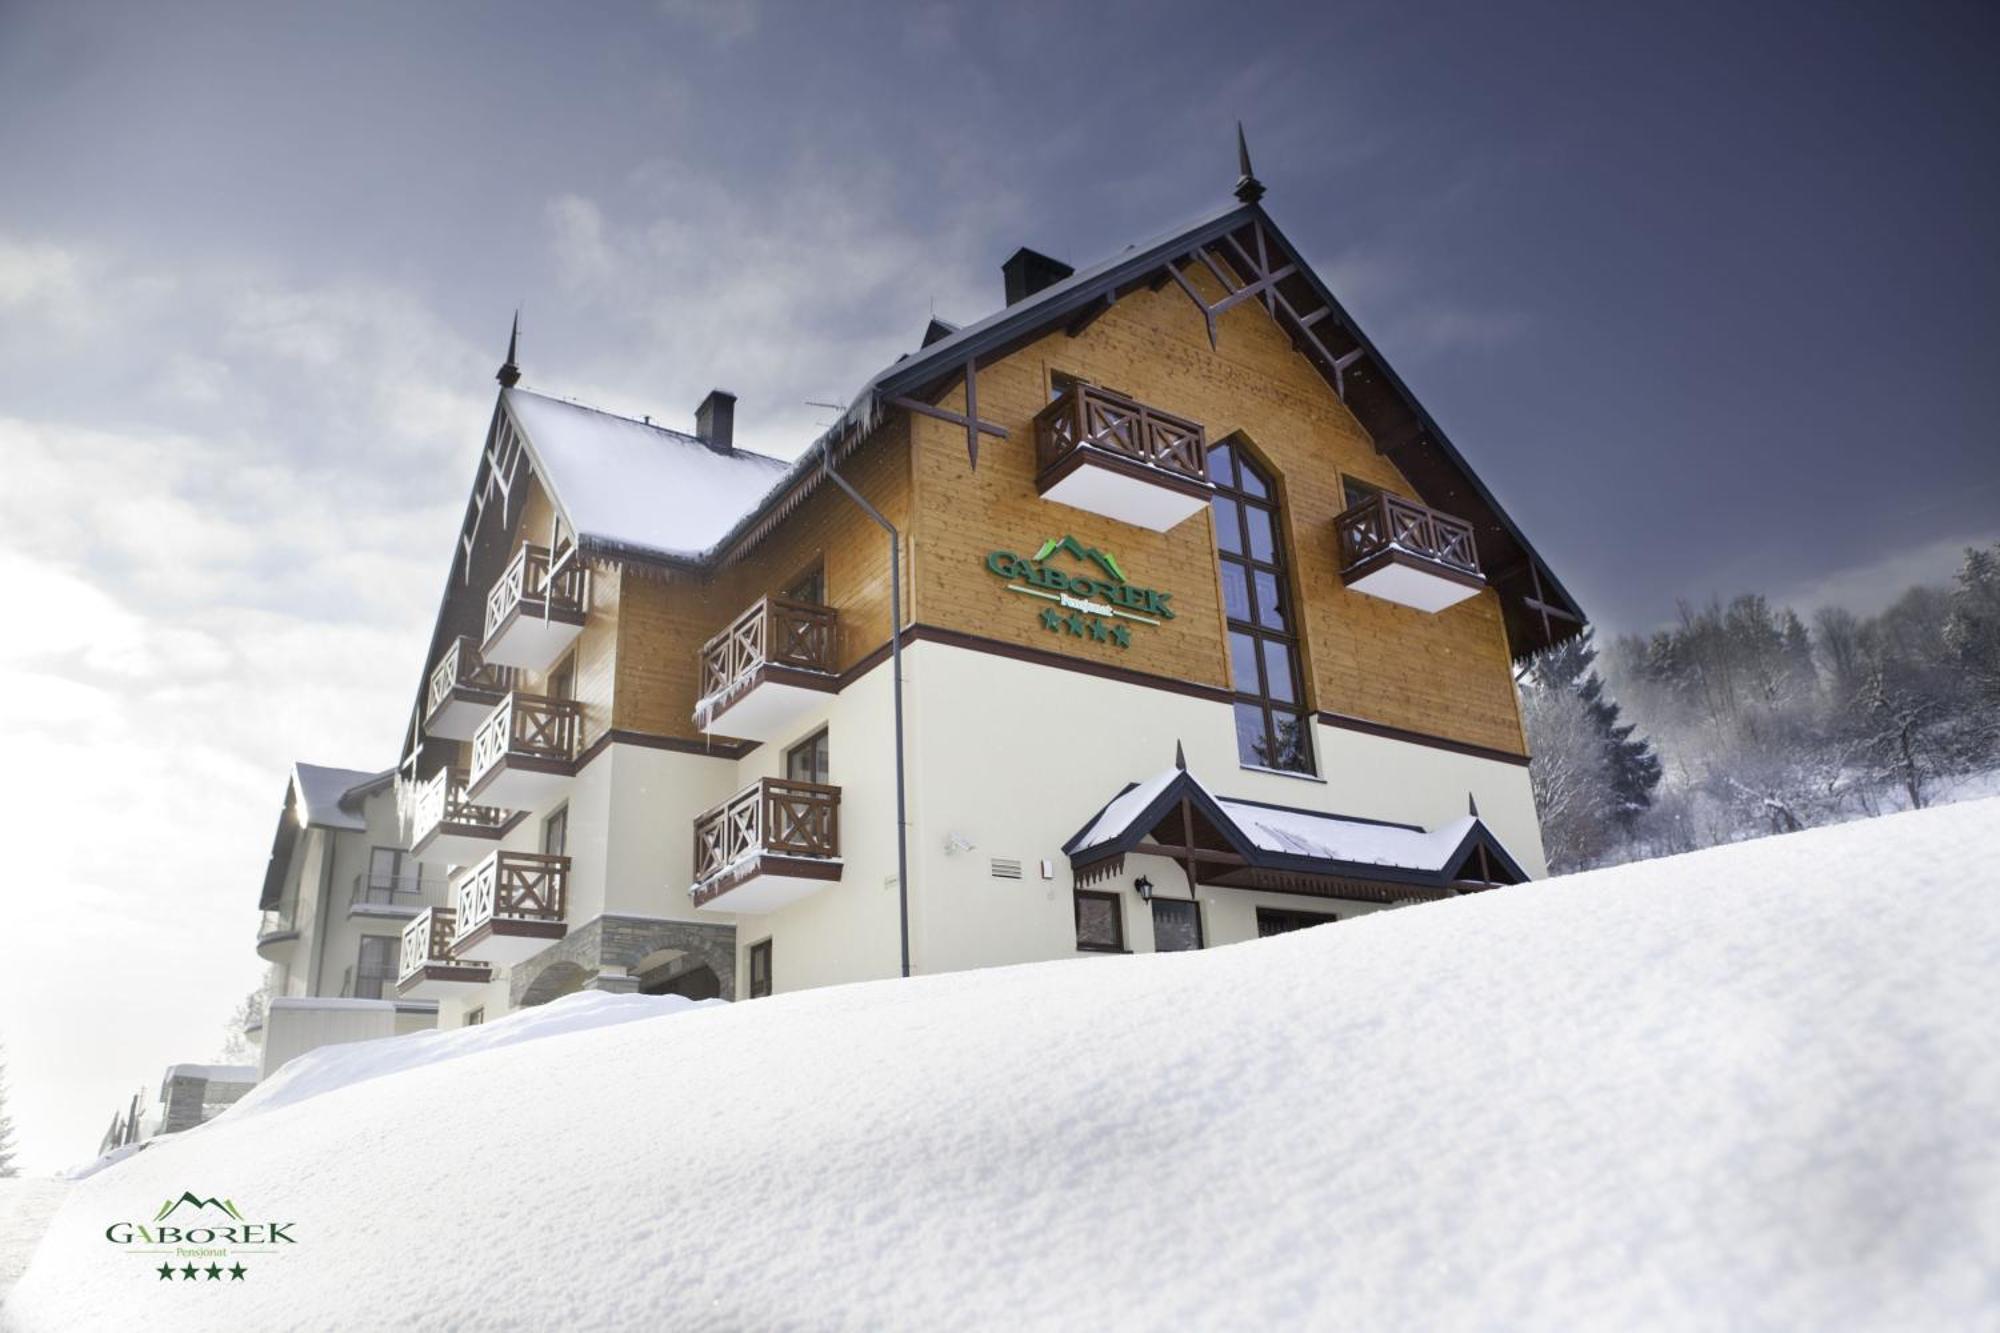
(1264, 670)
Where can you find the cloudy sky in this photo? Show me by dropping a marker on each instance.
(1708, 297)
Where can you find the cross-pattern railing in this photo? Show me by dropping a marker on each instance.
(526, 726)
(773, 816)
(461, 667)
(781, 631)
(1386, 522)
(442, 800)
(530, 584)
(1088, 415)
(517, 886)
(427, 942)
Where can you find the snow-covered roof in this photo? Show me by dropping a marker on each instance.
(1289, 838)
(322, 795)
(637, 486)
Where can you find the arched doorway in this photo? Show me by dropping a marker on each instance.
(697, 983)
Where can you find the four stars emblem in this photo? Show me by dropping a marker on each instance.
(1086, 627)
(189, 1273)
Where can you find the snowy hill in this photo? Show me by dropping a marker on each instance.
(1755, 1087)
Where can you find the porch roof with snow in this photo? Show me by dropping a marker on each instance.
(1234, 843)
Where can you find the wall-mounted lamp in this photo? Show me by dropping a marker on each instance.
(1145, 888)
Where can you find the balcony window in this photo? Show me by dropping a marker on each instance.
(555, 832)
(809, 760)
(1264, 667)
(760, 969)
(375, 969)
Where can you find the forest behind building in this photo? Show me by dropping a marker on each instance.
(1741, 719)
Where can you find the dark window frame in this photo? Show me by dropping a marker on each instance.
(1263, 628)
(818, 738)
(380, 979)
(561, 680)
(1302, 920)
(1117, 921)
(474, 1017)
(558, 819)
(758, 990)
(1350, 484)
(1200, 927)
(815, 574)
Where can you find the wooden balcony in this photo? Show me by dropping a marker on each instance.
(762, 676)
(447, 828)
(429, 969)
(768, 846)
(463, 689)
(1407, 553)
(509, 907)
(277, 937)
(536, 610)
(1103, 452)
(524, 753)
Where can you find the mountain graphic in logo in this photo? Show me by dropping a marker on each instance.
(197, 1202)
(1102, 559)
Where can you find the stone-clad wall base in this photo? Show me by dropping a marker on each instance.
(597, 954)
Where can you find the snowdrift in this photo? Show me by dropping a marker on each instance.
(1757, 1086)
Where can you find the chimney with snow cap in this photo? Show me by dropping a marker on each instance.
(1027, 272)
(715, 420)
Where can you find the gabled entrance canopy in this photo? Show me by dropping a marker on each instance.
(1231, 843)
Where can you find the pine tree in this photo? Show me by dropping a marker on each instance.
(1631, 767)
(7, 1167)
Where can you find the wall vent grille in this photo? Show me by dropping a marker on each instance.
(1006, 868)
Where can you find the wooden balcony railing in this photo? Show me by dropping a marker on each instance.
(442, 800)
(461, 668)
(512, 886)
(427, 943)
(529, 585)
(1388, 523)
(771, 817)
(775, 631)
(527, 726)
(1087, 415)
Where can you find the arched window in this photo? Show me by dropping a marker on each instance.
(1272, 728)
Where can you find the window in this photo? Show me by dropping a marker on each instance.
(760, 969)
(808, 761)
(1354, 492)
(376, 967)
(474, 1017)
(1283, 921)
(1271, 717)
(385, 875)
(562, 680)
(1100, 925)
(1176, 925)
(1060, 384)
(555, 832)
(809, 586)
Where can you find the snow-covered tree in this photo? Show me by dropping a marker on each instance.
(7, 1167)
(1627, 766)
(236, 1045)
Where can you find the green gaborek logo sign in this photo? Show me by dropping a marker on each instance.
(1091, 596)
(197, 1239)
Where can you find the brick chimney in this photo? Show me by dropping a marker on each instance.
(715, 420)
(1027, 272)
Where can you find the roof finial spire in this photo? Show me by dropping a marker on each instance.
(509, 373)
(1471, 806)
(1180, 757)
(1248, 188)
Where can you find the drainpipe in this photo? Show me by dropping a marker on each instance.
(896, 684)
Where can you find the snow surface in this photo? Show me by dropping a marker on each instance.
(636, 484)
(25, 1209)
(1753, 1087)
(320, 793)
